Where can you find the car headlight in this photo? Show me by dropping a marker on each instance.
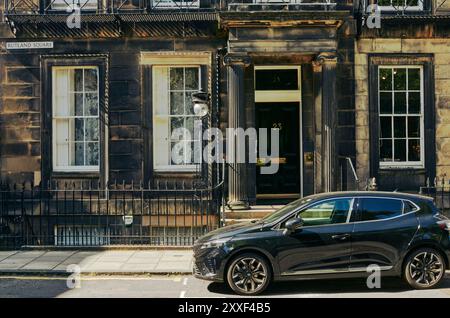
(215, 243)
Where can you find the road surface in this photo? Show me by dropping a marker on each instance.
(179, 286)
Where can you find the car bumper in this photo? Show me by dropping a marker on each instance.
(210, 264)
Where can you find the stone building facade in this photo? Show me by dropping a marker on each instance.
(311, 67)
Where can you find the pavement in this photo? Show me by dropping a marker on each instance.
(123, 262)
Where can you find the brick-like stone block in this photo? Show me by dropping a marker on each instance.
(362, 132)
(21, 75)
(387, 45)
(425, 46)
(20, 164)
(14, 105)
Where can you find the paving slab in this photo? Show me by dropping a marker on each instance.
(115, 261)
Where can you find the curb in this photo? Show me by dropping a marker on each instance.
(105, 248)
(55, 273)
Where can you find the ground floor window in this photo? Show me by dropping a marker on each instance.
(75, 120)
(173, 112)
(401, 120)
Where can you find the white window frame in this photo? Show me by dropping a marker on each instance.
(171, 168)
(171, 4)
(393, 8)
(63, 5)
(56, 167)
(403, 164)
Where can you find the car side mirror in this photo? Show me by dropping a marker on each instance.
(293, 225)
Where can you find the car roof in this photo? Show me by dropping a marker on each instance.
(398, 195)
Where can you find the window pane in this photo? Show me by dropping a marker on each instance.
(192, 80)
(379, 209)
(189, 104)
(91, 129)
(276, 79)
(78, 104)
(399, 127)
(398, 3)
(414, 102)
(176, 123)
(180, 153)
(414, 126)
(385, 79)
(414, 79)
(412, 3)
(92, 154)
(400, 150)
(91, 104)
(386, 103)
(385, 150)
(190, 127)
(384, 2)
(414, 149)
(176, 78)
(79, 129)
(400, 103)
(90, 80)
(176, 103)
(79, 154)
(78, 79)
(329, 212)
(400, 78)
(386, 127)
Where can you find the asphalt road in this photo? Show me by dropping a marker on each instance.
(188, 286)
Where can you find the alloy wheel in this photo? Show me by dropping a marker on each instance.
(249, 275)
(426, 269)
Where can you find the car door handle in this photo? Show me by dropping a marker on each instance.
(340, 237)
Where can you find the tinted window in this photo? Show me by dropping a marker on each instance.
(328, 212)
(379, 209)
(409, 207)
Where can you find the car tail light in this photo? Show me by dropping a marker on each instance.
(444, 225)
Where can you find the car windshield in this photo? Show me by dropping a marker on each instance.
(286, 210)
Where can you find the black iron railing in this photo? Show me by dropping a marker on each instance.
(439, 190)
(84, 214)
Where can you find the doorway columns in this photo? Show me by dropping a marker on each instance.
(326, 162)
(237, 179)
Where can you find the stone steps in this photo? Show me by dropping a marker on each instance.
(255, 212)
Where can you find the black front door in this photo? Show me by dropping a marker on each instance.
(323, 245)
(285, 117)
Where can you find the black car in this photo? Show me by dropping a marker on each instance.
(332, 235)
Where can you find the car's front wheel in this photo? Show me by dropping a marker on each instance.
(424, 269)
(249, 274)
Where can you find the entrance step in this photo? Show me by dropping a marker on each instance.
(255, 212)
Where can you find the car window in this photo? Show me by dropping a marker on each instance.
(408, 207)
(379, 209)
(328, 212)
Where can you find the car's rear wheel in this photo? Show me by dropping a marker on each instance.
(248, 274)
(424, 269)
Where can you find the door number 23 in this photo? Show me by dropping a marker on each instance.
(277, 126)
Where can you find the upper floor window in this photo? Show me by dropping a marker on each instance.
(173, 4)
(63, 5)
(75, 123)
(401, 120)
(400, 5)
